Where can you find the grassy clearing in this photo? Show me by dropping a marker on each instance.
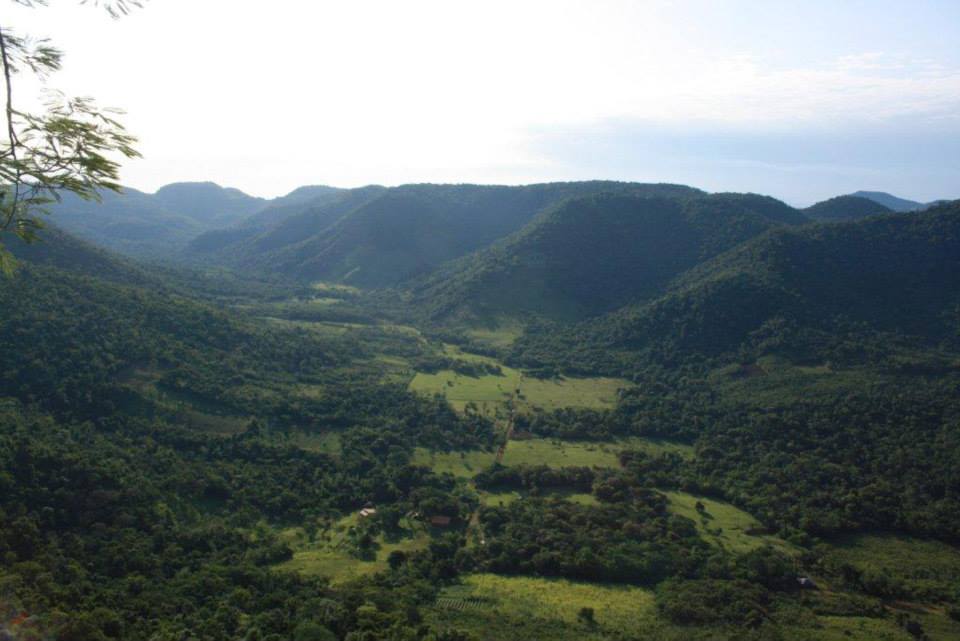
(927, 569)
(335, 290)
(848, 629)
(326, 442)
(495, 499)
(462, 464)
(626, 609)
(901, 555)
(492, 392)
(503, 335)
(723, 525)
(329, 553)
(543, 451)
(558, 453)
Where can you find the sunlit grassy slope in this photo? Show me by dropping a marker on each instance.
(519, 600)
(723, 525)
(491, 391)
(329, 554)
(542, 451)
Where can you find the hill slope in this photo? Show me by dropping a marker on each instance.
(56, 248)
(894, 203)
(152, 225)
(410, 230)
(817, 292)
(208, 203)
(594, 254)
(286, 221)
(846, 208)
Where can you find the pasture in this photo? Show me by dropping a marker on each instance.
(724, 525)
(490, 392)
(329, 554)
(626, 609)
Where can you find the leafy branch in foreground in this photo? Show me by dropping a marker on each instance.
(70, 147)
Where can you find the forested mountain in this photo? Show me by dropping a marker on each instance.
(208, 203)
(894, 203)
(846, 208)
(814, 293)
(194, 454)
(279, 208)
(56, 248)
(593, 254)
(281, 224)
(408, 231)
(160, 225)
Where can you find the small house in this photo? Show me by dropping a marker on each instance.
(440, 521)
(367, 511)
(806, 583)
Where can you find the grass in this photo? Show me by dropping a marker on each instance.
(326, 442)
(335, 290)
(624, 609)
(723, 525)
(491, 392)
(328, 555)
(558, 453)
(927, 569)
(461, 464)
(494, 499)
(903, 555)
(503, 335)
(833, 628)
(543, 451)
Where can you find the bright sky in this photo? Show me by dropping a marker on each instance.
(800, 99)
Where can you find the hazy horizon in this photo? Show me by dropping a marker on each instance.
(799, 100)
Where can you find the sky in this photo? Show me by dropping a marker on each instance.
(802, 100)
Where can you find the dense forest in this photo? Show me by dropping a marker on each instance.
(346, 414)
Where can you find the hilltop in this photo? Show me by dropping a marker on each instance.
(593, 254)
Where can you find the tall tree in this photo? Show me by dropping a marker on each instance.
(71, 146)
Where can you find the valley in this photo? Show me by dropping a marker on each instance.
(618, 411)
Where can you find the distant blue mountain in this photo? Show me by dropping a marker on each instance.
(893, 202)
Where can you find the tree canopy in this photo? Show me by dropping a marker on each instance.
(72, 145)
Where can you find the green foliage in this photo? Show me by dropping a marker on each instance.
(593, 254)
(709, 601)
(845, 208)
(68, 148)
(377, 237)
(852, 293)
(185, 455)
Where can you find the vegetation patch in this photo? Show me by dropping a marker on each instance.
(333, 550)
(491, 392)
(898, 567)
(627, 609)
(502, 335)
(495, 499)
(326, 442)
(465, 464)
(560, 453)
(724, 525)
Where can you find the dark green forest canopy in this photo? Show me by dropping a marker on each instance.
(846, 208)
(594, 254)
